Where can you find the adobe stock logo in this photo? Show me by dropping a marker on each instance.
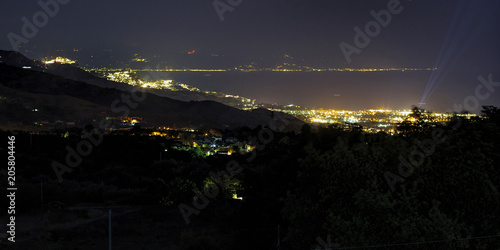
(372, 29)
(39, 20)
(221, 7)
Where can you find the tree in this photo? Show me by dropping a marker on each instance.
(417, 121)
(305, 129)
(491, 113)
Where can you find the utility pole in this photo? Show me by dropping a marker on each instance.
(278, 236)
(41, 193)
(109, 228)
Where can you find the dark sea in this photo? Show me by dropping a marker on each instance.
(336, 90)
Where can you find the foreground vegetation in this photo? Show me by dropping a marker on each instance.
(315, 189)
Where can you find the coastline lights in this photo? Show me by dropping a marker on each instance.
(60, 60)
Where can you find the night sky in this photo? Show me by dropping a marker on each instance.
(461, 38)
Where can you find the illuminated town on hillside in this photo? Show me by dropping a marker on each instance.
(369, 120)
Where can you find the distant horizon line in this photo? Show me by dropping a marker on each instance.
(266, 69)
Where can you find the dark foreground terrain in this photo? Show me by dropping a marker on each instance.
(430, 187)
